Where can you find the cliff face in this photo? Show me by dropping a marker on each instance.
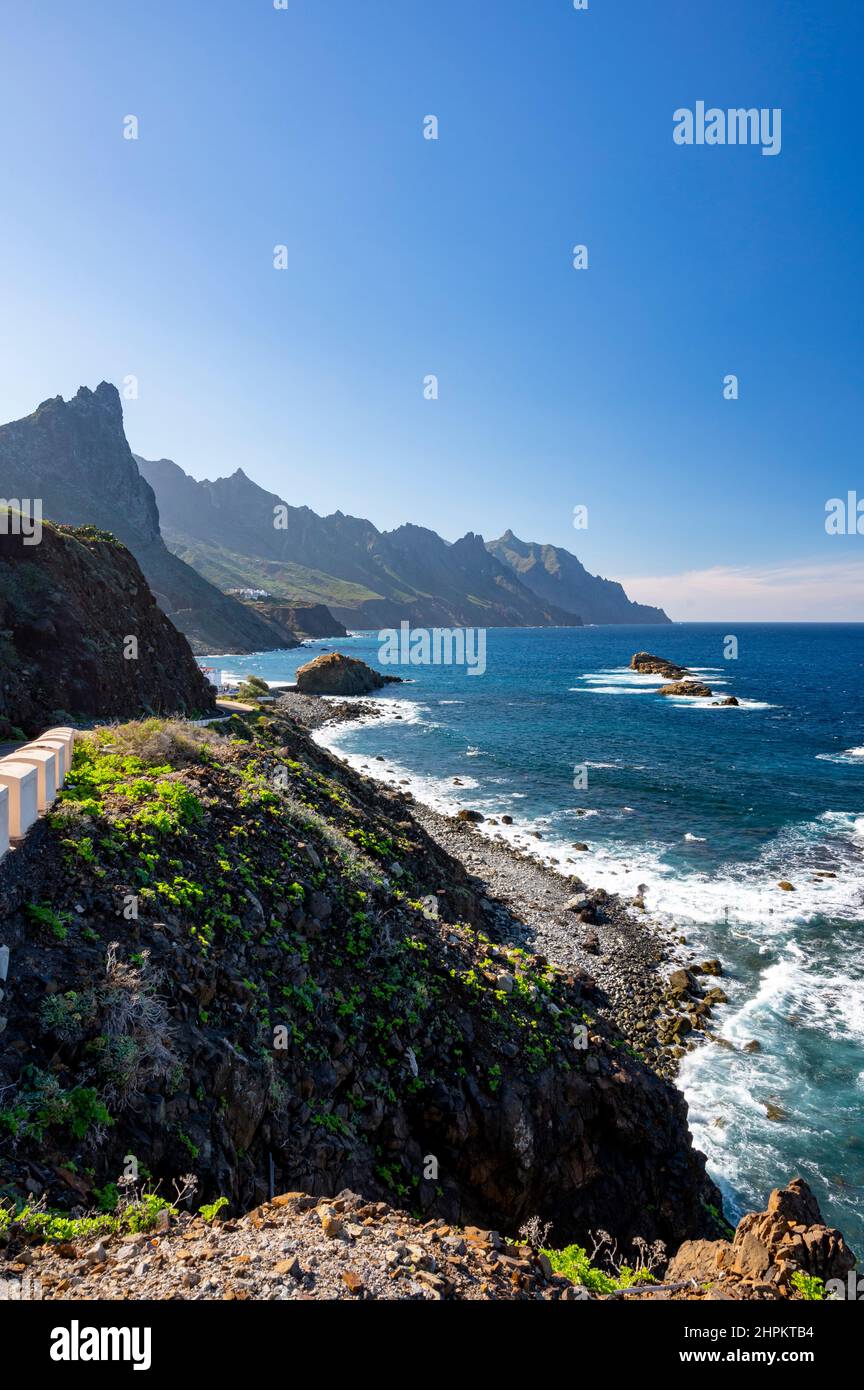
(558, 577)
(313, 620)
(68, 607)
(73, 455)
(366, 577)
(287, 993)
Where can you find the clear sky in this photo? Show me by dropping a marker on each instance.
(407, 257)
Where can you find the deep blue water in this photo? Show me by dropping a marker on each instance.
(709, 807)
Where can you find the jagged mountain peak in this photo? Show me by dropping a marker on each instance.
(555, 574)
(74, 455)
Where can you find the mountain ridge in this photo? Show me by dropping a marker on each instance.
(556, 575)
(74, 456)
(225, 528)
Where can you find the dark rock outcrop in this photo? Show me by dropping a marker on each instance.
(331, 673)
(81, 635)
(657, 666)
(73, 455)
(313, 620)
(768, 1249)
(686, 688)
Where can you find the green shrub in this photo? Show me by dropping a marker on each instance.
(809, 1286)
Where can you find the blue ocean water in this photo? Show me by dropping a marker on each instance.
(708, 807)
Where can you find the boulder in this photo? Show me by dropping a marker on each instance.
(650, 665)
(681, 982)
(331, 673)
(474, 816)
(768, 1247)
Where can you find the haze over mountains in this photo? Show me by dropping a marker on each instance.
(370, 578)
(197, 540)
(556, 576)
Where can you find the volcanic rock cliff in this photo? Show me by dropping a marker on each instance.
(308, 998)
(73, 456)
(82, 637)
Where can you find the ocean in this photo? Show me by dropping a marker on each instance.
(710, 808)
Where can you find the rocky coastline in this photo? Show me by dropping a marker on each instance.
(655, 991)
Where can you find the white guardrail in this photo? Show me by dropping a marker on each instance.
(30, 779)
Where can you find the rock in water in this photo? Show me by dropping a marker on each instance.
(686, 688)
(335, 674)
(650, 665)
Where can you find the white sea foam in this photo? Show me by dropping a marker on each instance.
(805, 985)
(700, 702)
(737, 894)
(621, 680)
(849, 755)
(606, 690)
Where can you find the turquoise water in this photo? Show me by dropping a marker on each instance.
(709, 807)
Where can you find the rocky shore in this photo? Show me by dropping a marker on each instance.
(655, 992)
(634, 960)
(298, 1247)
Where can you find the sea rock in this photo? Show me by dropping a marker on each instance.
(650, 665)
(686, 688)
(768, 1248)
(786, 885)
(729, 700)
(681, 982)
(331, 673)
(473, 816)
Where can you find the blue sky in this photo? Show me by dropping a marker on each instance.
(407, 257)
